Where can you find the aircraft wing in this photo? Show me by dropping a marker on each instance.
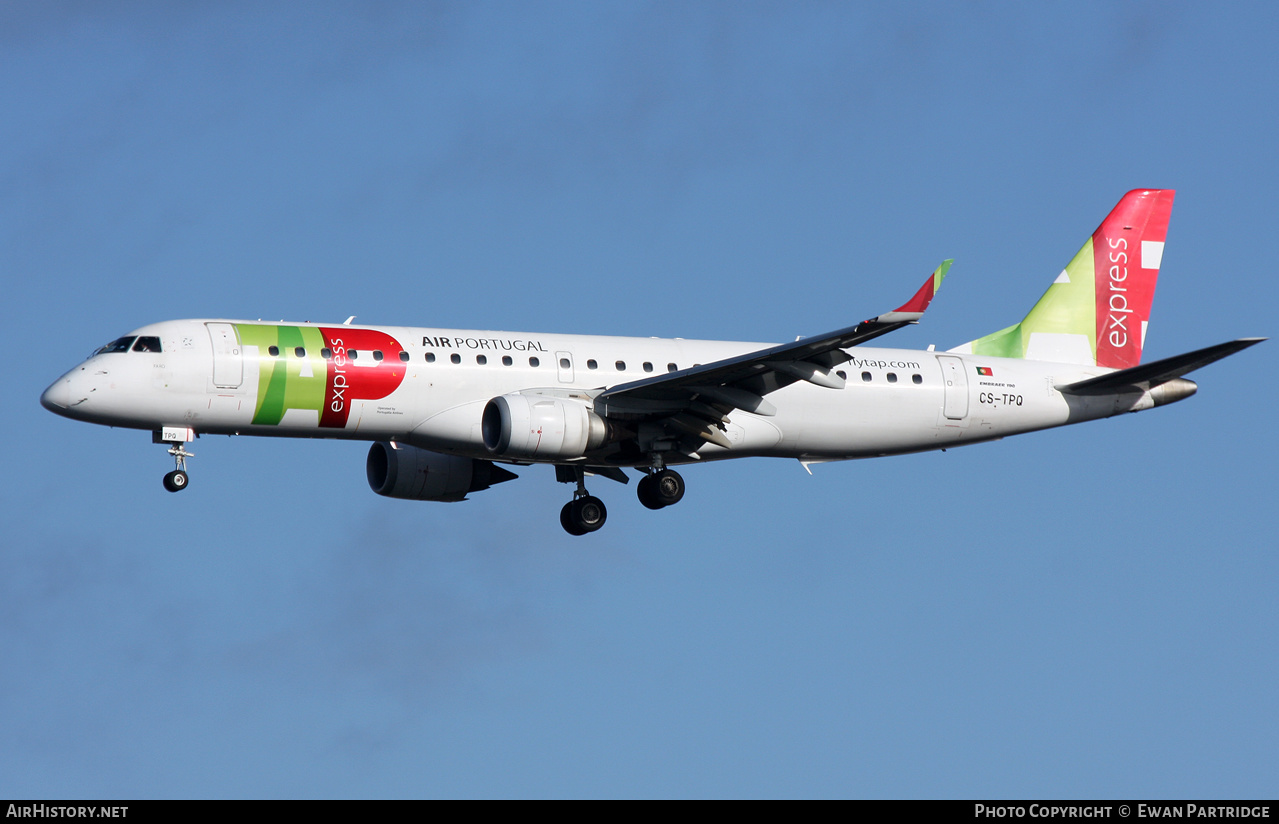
(695, 401)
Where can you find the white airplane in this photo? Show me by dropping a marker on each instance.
(445, 407)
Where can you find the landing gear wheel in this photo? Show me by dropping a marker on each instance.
(566, 520)
(176, 481)
(583, 515)
(648, 492)
(661, 489)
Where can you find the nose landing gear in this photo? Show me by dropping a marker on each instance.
(177, 480)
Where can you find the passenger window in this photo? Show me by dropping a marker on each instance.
(866, 377)
(430, 357)
(564, 363)
(352, 354)
(621, 366)
(300, 352)
(648, 367)
(274, 351)
(917, 378)
(534, 362)
(591, 364)
(506, 360)
(326, 353)
(147, 344)
(455, 358)
(843, 376)
(892, 377)
(377, 354)
(670, 367)
(481, 359)
(117, 345)
(404, 356)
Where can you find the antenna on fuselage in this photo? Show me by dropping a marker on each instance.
(347, 322)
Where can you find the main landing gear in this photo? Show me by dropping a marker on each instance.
(586, 513)
(661, 488)
(177, 480)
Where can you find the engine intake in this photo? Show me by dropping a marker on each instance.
(536, 427)
(400, 471)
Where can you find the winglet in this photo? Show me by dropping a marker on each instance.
(913, 309)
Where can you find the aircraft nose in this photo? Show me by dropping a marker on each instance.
(58, 396)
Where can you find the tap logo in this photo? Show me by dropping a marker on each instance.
(320, 369)
(364, 365)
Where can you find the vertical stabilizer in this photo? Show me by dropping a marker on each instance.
(1097, 309)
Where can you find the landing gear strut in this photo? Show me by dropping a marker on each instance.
(177, 480)
(661, 489)
(585, 513)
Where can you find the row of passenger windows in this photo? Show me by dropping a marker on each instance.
(326, 353)
(565, 363)
(534, 361)
(892, 378)
(147, 343)
(507, 360)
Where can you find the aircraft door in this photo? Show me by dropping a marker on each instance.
(564, 364)
(952, 372)
(228, 365)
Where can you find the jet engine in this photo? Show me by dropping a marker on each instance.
(537, 427)
(400, 471)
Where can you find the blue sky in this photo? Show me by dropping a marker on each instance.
(1087, 612)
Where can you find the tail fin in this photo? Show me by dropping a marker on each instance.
(1096, 311)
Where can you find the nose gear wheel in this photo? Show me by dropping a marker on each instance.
(177, 480)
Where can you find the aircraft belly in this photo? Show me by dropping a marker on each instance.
(862, 420)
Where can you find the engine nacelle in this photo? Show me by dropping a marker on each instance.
(400, 471)
(538, 427)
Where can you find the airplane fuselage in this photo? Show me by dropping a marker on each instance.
(428, 387)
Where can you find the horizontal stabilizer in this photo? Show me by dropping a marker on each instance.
(1142, 378)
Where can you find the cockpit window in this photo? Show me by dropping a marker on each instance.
(117, 345)
(147, 344)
